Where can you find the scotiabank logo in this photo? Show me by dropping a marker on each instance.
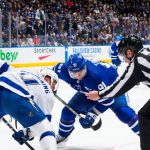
(44, 51)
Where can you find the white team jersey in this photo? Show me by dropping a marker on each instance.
(29, 85)
(41, 91)
(13, 82)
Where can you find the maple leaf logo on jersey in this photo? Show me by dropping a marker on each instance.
(43, 57)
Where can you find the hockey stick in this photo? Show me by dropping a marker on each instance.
(11, 127)
(94, 127)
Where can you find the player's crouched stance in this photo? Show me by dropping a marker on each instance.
(16, 100)
(84, 75)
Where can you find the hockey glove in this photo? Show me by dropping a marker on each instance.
(88, 121)
(114, 49)
(22, 136)
(114, 55)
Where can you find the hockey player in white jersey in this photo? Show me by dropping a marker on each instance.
(44, 98)
(17, 100)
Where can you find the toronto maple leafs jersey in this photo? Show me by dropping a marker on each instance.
(98, 76)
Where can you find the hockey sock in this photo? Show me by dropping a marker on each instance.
(44, 130)
(65, 128)
(127, 115)
(133, 124)
(48, 141)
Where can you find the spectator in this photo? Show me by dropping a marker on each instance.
(36, 40)
(30, 40)
(66, 16)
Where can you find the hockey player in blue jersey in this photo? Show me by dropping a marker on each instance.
(84, 75)
(17, 101)
(114, 51)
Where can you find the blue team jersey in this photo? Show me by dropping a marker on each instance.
(98, 76)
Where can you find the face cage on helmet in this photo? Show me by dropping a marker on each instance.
(83, 71)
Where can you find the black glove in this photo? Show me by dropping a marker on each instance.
(22, 136)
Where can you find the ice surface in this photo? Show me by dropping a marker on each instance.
(113, 135)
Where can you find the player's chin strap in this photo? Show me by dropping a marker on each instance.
(94, 127)
(11, 127)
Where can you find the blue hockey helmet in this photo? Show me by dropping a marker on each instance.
(118, 37)
(76, 62)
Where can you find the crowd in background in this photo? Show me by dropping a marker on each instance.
(72, 22)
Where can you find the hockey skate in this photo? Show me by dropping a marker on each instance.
(61, 141)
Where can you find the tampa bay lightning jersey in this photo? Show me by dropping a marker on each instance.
(27, 84)
(40, 89)
(12, 81)
(98, 76)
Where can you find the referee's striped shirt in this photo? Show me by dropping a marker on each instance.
(137, 71)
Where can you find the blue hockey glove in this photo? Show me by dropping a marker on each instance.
(116, 62)
(114, 55)
(114, 49)
(88, 121)
(22, 136)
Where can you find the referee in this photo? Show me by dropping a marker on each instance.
(131, 47)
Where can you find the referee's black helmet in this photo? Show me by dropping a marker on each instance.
(132, 42)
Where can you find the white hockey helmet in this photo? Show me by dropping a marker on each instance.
(48, 72)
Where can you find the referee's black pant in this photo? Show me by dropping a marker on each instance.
(144, 123)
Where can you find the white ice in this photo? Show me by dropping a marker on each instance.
(113, 135)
